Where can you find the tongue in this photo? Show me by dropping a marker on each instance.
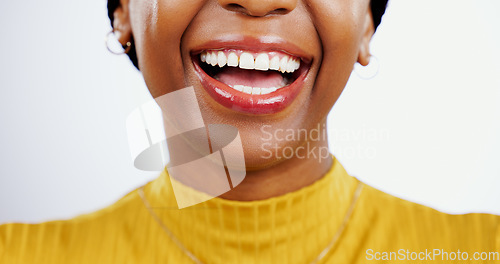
(252, 78)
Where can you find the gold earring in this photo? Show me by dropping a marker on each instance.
(126, 48)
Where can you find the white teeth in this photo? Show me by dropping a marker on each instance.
(253, 90)
(262, 62)
(247, 61)
(214, 60)
(274, 64)
(239, 87)
(296, 64)
(290, 67)
(208, 57)
(256, 91)
(221, 59)
(247, 89)
(268, 90)
(265, 90)
(283, 64)
(232, 60)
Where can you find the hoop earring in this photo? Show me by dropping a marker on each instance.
(369, 71)
(126, 48)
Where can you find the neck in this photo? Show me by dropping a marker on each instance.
(223, 230)
(284, 177)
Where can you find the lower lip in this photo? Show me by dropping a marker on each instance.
(251, 104)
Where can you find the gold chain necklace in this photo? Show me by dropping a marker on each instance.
(321, 255)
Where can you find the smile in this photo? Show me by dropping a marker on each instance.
(251, 79)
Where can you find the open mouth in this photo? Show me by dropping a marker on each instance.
(251, 82)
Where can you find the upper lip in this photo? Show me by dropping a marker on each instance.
(260, 44)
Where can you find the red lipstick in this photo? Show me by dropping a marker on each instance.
(223, 64)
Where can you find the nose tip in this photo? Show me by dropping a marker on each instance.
(259, 8)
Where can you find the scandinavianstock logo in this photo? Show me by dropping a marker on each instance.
(207, 158)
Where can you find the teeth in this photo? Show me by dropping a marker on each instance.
(247, 89)
(268, 90)
(214, 60)
(274, 64)
(296, 64)
(232, 60)
(283, 64)
(221, 59)
(239, 87)
(253, 90)
(290, 67)
(208, 57)
(265, 90)
(247, 61)
(262, 62)
(256, 91)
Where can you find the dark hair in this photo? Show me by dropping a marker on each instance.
(377, 6)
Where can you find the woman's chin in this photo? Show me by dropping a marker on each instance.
(258, 163)
(266, 154)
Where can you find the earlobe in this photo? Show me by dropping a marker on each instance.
(364, 47)
(121, 23)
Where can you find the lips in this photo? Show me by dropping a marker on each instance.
(252, 76)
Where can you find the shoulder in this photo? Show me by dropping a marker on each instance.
(76, 239)
(400, 222)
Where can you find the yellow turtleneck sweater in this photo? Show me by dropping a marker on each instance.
(293, 228)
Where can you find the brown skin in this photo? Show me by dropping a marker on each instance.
(336, 33)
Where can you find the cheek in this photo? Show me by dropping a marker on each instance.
(340, 22)
(158, 26)
(340, 26)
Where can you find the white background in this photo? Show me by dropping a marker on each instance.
(426, 128)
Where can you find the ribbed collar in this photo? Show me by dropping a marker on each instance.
(292, 228)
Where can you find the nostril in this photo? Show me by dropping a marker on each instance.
(234, 7)
(280, 11)
(258, 8)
